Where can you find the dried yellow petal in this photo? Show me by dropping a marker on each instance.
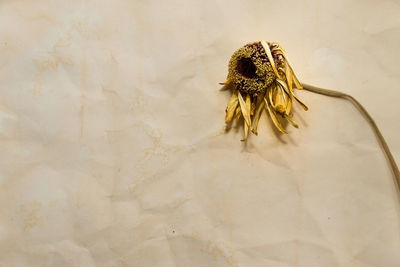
(284, 86)
(301, 103)
(289, 118)
(257, 115)
(230, 109)
(225, 83)
(289, 77)
(270, 57)
(248, 109)
(278, 98)
(238, 113)
(275, 120)
(245, 107)
(288, 106)
(253, 108)
(296, 81)
(246, 131)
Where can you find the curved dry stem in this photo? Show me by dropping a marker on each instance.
(371, 122)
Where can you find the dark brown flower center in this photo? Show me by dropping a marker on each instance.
(246, 68)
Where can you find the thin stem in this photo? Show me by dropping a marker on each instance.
(371, 122)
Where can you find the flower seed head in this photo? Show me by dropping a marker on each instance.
(250, 70)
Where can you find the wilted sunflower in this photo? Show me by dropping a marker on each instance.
(261, 77)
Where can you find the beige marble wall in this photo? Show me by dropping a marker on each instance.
(113, 153)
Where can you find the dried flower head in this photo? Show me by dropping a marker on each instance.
(262, 79)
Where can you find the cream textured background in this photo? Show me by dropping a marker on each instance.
(112, 144)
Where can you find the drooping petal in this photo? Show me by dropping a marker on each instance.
(270, 57)
(245, 107)
(278, 98)
(284, 86)
(290, 119)
(230, 109)
(289, 76)
(296, 81)
(275, 120)
(238, 112)
(253, 108)
(301, 103)
(246, 131)
(289, 93)
(257, 114)
(271, 91)
(288, 106)
(248, 111)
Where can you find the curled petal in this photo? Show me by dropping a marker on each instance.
(278, 98)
